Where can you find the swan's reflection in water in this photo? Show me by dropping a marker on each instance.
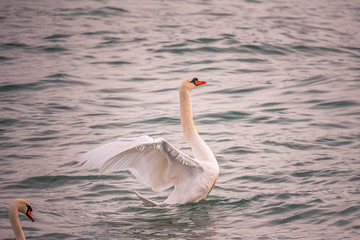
(189, 221)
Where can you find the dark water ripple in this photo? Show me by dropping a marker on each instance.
(280, 111)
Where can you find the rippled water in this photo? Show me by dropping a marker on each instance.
(281, 112)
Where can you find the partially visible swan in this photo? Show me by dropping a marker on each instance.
(22, 206)
(158, 164)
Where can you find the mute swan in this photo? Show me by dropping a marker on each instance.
(23, 206)
(158, 164)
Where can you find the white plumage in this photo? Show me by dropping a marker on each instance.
(158, 164)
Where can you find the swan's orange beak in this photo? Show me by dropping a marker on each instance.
(197, 83)
(29, 215)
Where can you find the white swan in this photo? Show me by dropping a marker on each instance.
(158, 164)
(23, 206)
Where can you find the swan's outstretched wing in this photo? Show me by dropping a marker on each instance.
(155, 162)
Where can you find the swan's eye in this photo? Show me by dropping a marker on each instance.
(195, 81)
(29, 208)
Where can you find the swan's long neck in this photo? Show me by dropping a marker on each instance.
(200, 149)
(187, 122)
(15, 223)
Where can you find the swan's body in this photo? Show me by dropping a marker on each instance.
(22, 206)
(158, 164)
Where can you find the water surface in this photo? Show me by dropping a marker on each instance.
(280, 111)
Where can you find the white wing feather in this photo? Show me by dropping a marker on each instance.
(155, 162)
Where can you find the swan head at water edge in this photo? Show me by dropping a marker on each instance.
(16, 207)
(23, 207)
(191, 83)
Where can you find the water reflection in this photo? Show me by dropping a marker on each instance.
(190, 221)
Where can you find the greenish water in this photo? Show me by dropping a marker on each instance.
(281, 112)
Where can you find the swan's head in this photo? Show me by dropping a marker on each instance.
(191, 83)
(24, 207)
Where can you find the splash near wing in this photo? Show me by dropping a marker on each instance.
(154, 162)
